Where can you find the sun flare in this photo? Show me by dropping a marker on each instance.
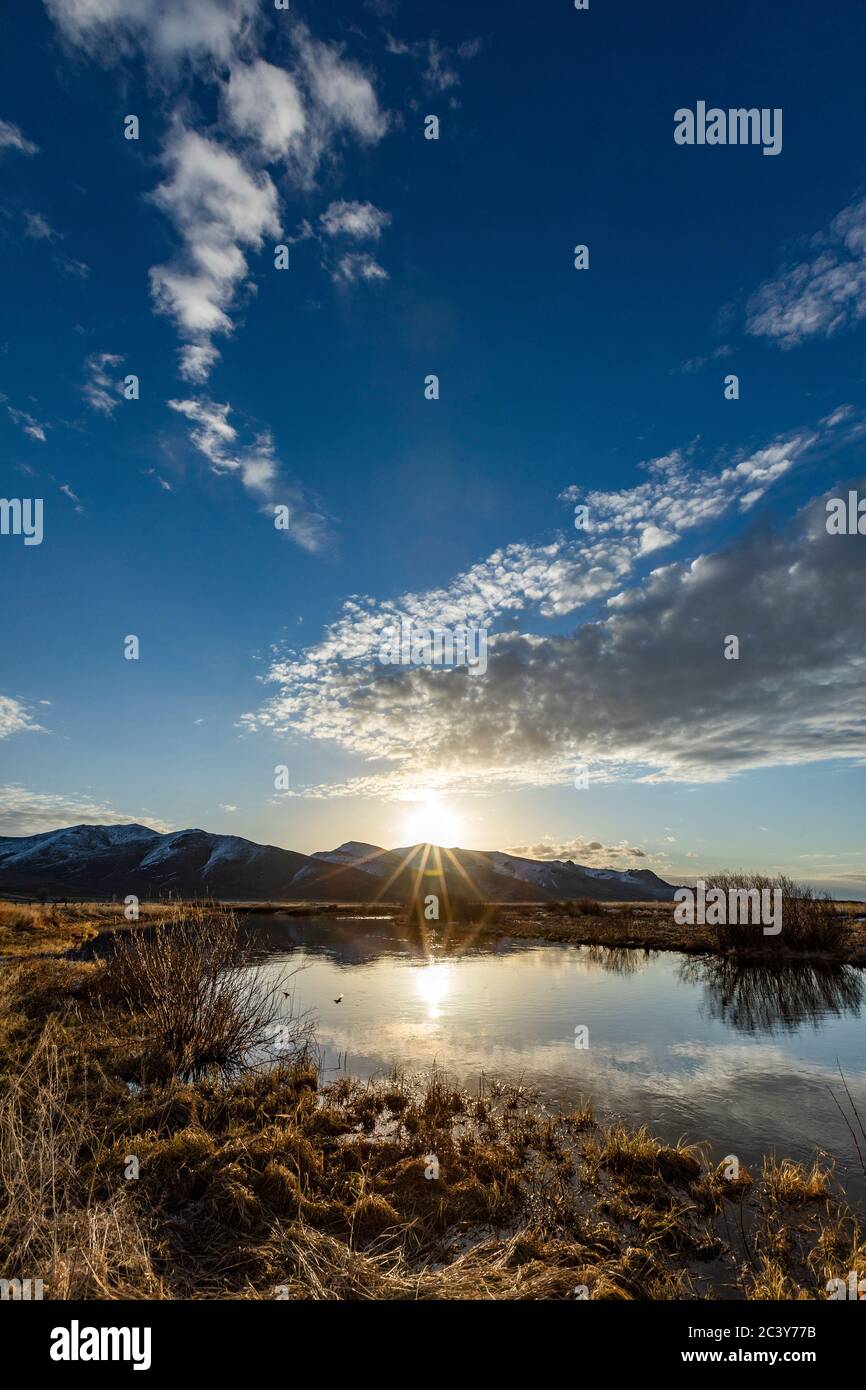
(432, 821)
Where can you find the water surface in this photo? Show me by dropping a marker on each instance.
(745, 1058)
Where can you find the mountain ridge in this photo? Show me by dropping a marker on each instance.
(117, 860)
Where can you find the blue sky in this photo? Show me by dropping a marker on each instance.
(305, 387)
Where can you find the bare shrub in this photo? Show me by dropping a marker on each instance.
(201, 1003)
(810, 920)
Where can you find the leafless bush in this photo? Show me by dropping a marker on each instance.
(204, 1006)
(810, 919)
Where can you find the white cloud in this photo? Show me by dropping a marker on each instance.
(820, 293)
(70, 265)
(217, 205)
(358, 265)
(341, 89)
(643, 691)
(197, 361)
(67, 491)
(28, 423)
(152, 473)
(362, 221)
(697, 364)
(582, 851)
(620, 692)
(15, 718)
(196, 30)
(38, 229)
(25, 812)
(257, 467)
(220, 201)
(263, 104)
(213, 435)
(12, 139)
(440, 71)
(838, 416)
(102, 389)
(439, 62)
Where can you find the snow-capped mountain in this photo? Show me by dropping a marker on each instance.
(565, 879)
(497, 876)
(116, 860)
(370, 858)
(111, 860)
(70, 844)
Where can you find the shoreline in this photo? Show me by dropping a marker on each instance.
(33, 930)
(659, 932)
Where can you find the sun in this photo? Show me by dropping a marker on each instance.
(434, 822)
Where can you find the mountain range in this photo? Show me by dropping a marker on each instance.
(107, 861)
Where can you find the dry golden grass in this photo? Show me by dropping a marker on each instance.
(37, 929)
(770, 1281)
(638, 1153)
(794, 1183)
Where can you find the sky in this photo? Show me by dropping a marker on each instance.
(174, 392)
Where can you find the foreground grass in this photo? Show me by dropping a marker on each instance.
(268, 1184)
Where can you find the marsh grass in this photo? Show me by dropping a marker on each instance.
(638, 1152)
(26, 929)
(51, 1224)
(793, 1183)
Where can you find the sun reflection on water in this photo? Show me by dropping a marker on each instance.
(433, 982)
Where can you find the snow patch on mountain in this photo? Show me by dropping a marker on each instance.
(370, 858)
(72, 842)
(620, 875)
(232, 849)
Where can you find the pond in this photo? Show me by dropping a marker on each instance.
(746, 1058)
